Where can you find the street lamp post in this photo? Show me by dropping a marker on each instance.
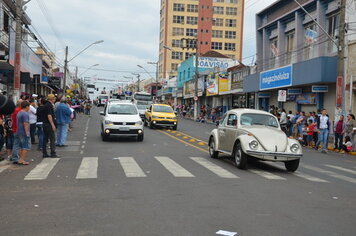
(81, 81)
(66, 61)
(138, 80)
(157, 74)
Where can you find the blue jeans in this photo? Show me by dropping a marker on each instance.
(15, 148)
(40, 135)
(62, 131)
(323, 137)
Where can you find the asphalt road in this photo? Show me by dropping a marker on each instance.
(168, 185)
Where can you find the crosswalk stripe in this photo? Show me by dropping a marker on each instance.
(131, 168)
(2, 168)
(219, 171)
(330, 173)
(88, 168)
(267, 175)
(173, 167)
(309, 177)
(42, 170)
(342, 169)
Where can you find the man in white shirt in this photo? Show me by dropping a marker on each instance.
(283, 121)
(33, 119)
(323, 125)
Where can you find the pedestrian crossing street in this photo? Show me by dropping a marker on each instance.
(130, 167)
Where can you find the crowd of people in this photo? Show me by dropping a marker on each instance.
(316, 128)
(206, 113)
(47, 119)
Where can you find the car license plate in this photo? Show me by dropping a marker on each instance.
(123, 128)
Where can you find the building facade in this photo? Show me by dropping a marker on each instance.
(296, 56)
(214, 24)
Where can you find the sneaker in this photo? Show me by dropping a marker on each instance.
(55, 156)
(342, 152)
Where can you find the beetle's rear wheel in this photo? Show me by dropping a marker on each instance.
(213, 154)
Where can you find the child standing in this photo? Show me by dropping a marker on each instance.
(347, 147)
(311, 127)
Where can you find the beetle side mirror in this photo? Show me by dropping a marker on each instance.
(102, 113)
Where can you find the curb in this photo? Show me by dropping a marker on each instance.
(348, 153)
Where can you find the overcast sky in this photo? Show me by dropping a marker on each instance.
(130, 30)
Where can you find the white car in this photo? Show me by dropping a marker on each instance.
(248, 133)
(121, 119)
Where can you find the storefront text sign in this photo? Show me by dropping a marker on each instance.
(276, 78)
(320, 89)
(212, 62)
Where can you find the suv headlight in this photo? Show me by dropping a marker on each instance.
(294, 148)
(253, 145)
(108, 122)
(138, 123)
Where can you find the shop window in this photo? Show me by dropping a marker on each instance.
(333, 30)
(6, 22)
(178, 7)
(309, 46)
(289, 47)
(273, 52)
(216, 46)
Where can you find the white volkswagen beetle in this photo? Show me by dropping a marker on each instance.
(248, 133)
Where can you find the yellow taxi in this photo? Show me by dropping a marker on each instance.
(160, 115)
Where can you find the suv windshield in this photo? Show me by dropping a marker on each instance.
(164, 109)
(258, 119)
(142, 107)
(122, 109)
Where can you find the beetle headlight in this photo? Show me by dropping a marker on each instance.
(253, 145)
(294, 148)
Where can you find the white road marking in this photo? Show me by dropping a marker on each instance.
(330, 173)
(267, 175)
(342, 169)
(2, 168)
(88, 168)
(83, 146)
(226, 233)
(81, 152)
(173, 167)
(85, 138)
(131, 168)
(309, 177)
(42, 170)
(85, 134)
(84, 142)
(219, 171)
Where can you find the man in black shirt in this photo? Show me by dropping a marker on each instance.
(39, 124)
(49, 127)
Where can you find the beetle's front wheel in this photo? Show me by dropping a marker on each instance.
(240, 157)
(292, 166)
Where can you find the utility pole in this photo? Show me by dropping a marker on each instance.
(341, 53)
(17, 69)
(65, 70)
(138, 82)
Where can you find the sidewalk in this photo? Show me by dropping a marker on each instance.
(73, 147)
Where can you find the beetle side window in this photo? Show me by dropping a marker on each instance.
(232, 120)
(223, 120)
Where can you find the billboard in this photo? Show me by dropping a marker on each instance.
(212, 86)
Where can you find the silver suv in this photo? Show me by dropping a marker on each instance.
(121, 119)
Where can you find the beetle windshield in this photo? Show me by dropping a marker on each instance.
(258, 119)
(122, 109)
